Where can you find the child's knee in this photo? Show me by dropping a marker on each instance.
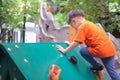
(83, 51)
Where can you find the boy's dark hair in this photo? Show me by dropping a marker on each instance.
(74, 13)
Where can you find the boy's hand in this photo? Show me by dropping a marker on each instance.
(60, 48)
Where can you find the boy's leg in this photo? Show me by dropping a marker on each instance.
(110, 67)
(95, 65)
(84, 52)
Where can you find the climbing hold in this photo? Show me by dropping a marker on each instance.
(9, 49)
(16, 46)
(73, 59)
(61, 55)
(53, 45)
(25, 60)
(54, 73)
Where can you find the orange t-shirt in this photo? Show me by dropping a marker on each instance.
(97, 41)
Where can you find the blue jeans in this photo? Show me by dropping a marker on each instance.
(108, 63)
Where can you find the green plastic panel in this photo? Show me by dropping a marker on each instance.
(3, 69)
(35, 59)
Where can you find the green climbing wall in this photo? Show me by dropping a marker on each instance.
(33, 60)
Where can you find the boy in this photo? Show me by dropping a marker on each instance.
(97, 42)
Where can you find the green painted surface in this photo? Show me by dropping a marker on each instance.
(8, 69)
(35, 59)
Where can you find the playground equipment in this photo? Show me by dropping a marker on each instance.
(49, 29)
(32, 61)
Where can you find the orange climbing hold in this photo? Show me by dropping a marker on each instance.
(54, 73)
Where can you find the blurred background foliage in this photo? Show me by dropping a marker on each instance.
(106, 12)
(12, 11)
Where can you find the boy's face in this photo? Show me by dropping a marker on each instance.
(76, 21)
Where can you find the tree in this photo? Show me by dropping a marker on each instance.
(95, 10)
(13, 11)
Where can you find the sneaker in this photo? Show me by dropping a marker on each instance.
(99, 68)
(99, 75)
